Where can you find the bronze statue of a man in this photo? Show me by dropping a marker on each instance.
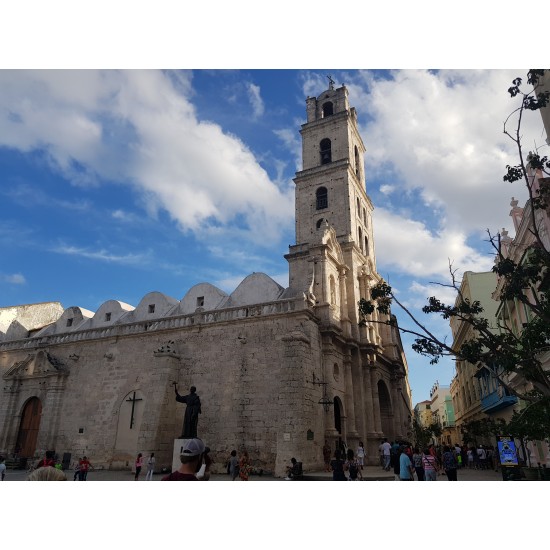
(192, 411)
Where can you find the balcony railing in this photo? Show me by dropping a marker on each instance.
(496, 401)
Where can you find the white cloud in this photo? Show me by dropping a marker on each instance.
(139, 127)
(419, 294)
(255, 99)
(292, 142)
(443, 134)
(102, 255)
(387, 189)
(313, 83)
(410, 247)
(27, 195)
(14, 279)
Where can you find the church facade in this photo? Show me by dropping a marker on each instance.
(279, 371)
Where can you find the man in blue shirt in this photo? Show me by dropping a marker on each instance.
(405, 467)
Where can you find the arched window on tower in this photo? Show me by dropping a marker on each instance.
(322, 198)
(321, 223)
(366, 246)
(357, 170)
(358, 208)
(328, 109)
(360, 240)
(365, 216)
(326, 152)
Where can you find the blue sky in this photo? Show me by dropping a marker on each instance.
(115, 184)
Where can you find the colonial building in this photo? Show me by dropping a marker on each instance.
(279, 371)
(423, 413)
(512, 313)
(475, 392)
(442, 410)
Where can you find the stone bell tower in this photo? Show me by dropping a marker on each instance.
(332, 265)
(332, 206)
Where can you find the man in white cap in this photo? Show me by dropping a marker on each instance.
(192, 456)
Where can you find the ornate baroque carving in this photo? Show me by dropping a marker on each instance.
(167, 350)
(40, 364)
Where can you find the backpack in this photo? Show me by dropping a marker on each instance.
(353, 470)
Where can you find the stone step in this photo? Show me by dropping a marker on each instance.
(370, 473)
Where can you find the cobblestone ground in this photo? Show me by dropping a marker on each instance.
(371, 473)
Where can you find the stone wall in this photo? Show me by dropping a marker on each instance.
(253, 376)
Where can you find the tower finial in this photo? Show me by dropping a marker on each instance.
(330, 82)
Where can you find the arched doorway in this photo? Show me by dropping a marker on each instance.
(386, 416)
(29, 427)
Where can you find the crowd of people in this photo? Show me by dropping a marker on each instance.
(408, 461)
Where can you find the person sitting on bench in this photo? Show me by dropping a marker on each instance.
(295, 470)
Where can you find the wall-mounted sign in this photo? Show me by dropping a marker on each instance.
(286, 437)
(507, 451)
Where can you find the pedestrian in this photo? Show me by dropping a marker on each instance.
(343, 448)
(482, 457)
(361, 455)
(457, 452)
(386, 452)
(193, 455)
(2, 468)
(464, 456)
(475, 457)
(76, 468)
(449, 464)
(417, 463)
(352, 466)
(85, 465)
(396, 464)
(429, 463)
(326, 456)
(395, 451)
(381, 453)
(294, 470)
(48, 460)
(408, 450)
(138, 465)
(150, 467)
(406, 469)
(234, 465)
(337, 467)
(244, 466)
(490, 457)
(470, 456)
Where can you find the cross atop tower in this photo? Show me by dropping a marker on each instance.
(330, 82)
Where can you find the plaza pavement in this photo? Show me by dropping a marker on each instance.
(370, 473)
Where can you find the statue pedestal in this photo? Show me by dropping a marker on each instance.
(176, 462)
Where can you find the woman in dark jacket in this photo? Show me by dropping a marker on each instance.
(337, 467)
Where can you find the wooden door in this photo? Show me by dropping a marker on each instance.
(28, 429)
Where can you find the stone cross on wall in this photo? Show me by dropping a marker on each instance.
(133, 401)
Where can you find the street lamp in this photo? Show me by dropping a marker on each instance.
(325, 401)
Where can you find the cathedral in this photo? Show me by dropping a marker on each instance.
(279, 371)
